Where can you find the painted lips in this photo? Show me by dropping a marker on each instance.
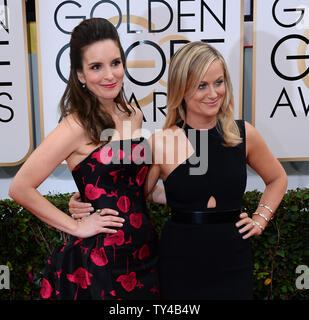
(211, 103)
(109, 86)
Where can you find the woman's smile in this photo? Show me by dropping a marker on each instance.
(109, 86)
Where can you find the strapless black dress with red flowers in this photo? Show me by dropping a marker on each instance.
(120, 266)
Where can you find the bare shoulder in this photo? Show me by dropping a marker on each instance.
(160, 138)
(255, 142)
(248, 127)
(69, 131)
(71, 122)
(160, 134)
(137, 113)
(252, 135)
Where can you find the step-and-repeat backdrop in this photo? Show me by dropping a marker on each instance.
(15, 107)
(150, 32)
(281, 77)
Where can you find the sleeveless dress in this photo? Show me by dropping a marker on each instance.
(206, 260)
(118, 266)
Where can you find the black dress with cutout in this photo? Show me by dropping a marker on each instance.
(119, 266)
(206, 260)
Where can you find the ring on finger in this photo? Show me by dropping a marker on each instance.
(99, 212)
(73, 215)
(253, 224)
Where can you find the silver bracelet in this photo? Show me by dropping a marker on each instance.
(266, 207)
(256, 223)
(261, 215)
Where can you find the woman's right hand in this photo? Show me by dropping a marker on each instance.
(80, 211)
(97, 223)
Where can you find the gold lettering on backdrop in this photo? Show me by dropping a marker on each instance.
(161, 42)
(133, 19)
(145, 101)
(302, 62)
(141, 64)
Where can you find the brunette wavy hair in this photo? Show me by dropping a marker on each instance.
(80, 101)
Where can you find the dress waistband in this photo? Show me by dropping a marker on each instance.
(202, 217)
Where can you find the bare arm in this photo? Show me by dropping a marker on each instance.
(79, 210)
(270, 170)
(153, 191)
(59, 144)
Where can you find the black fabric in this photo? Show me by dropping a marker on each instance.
(118, 266)
(201, 217)
(208, 260)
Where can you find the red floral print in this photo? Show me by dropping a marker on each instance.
(141, 175)
(129, 241)
(124, 204)
(58, 273)
(120, 154)
(138, 153)
(154, 290)
(136, 220)
(104, 155)
(84, 249)
(130, 181)
(81, 277)
(112, 194)
(78, 242)
(139, 285)
(115, 174)
(93, 192)
(128, 281)
(125, 256)
(76, 168)
(46, 289)
(143, 252)
(135, 253)
(98, 256)
(96, 155)
(92, 166)
(64, 245)
(114, 239)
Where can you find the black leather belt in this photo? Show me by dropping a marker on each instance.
(201, 217)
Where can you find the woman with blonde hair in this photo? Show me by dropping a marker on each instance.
(192, 63)
(201, 156)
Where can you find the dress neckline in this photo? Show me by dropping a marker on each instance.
(102, 146)
(186, 127)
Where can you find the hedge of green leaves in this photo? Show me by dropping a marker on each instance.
(26, 243)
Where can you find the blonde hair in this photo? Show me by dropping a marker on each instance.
(186, 71)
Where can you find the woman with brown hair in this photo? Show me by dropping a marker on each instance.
(97, 263)
(204, 252)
